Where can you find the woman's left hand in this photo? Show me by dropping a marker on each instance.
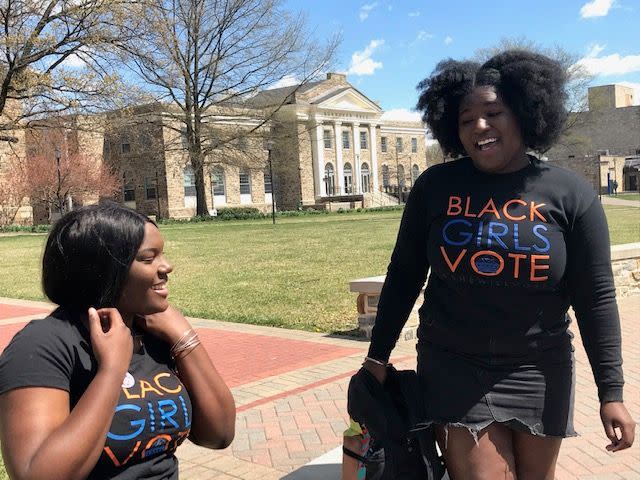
(615, 417)
(169, 325)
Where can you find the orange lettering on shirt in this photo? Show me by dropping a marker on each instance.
(505, 209)
(147, 387)
(534, 267)
(534, 211)
(156, 379)
(128, 394)
(455, 206)
(490, 207)
(113, 458)
(516, 266)
(467, 207)
(453, 266)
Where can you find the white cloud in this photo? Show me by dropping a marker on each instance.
(286, 81)
(448, 40)
(366, 9)
(424, 35)
(401, 115)
(596, 8)
(361, 61)
(595, 50)
(73, 61)
(414, 14)
(613, 64)
(636, 91)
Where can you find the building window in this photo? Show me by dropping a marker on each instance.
(414, 145)
(365, 176)
(327, 138)
(184, 139)
(363, 141)
(415, 173)
(348, 178)
(128, 189)
(217, 181)
(399, 144)
(385, 176)
(268, 185)
(189, 181)
(125, 147)
(245, 182)
(329, 179)
(346, 142)
(383, 144)
(150, 188)
(401, 179)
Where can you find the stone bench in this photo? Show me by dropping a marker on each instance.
(368, 290)
(625, 263)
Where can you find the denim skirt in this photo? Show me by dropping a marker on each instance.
(529, 393)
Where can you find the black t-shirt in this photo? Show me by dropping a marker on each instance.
(508, 255)
(153, 415)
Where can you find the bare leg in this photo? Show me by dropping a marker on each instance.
(490, 458)
(535, 456)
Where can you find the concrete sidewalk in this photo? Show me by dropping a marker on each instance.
(290, 390)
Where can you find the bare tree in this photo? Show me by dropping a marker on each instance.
(56, 57)
(206, 58)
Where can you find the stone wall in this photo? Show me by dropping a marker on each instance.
(625, 262)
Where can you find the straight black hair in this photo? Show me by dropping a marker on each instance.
(88, 255)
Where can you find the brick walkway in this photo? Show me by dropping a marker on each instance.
(290, 391)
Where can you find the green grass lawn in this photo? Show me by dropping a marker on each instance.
(293, 275)
(627, 196)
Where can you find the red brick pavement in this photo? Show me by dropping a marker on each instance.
(12, 311)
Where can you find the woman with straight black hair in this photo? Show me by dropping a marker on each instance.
(115, 379)
(510, 242)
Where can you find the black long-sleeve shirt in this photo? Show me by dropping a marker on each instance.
(508, 255)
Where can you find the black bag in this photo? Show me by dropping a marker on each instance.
(390, 412)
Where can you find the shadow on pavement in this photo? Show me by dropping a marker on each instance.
(331, 471)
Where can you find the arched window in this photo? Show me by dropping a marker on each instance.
(385, 176)
(401, 179)
(218, 187)
(415, 173)
(348, 178)
(329, 179)
(365, 176)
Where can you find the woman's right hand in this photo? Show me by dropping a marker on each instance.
(377, 370)
(111, 339)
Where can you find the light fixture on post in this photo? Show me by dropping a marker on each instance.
(269, 145)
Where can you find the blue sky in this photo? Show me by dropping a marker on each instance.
(389, 46)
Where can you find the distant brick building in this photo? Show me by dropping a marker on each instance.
(604, 142)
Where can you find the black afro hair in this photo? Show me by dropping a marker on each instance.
(532, 85)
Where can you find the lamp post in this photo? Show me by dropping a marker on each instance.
(269, 144)
(57, 155)
(398, 174)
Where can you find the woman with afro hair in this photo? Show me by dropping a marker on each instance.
(510, 243)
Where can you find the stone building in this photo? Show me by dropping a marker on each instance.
(603, 142)
(328, 144)
(319, 145)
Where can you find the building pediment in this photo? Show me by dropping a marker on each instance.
(347, 99)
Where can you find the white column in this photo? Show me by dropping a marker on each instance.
(356, 158)
(318, 160)
(337, 129)
(373, 148)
